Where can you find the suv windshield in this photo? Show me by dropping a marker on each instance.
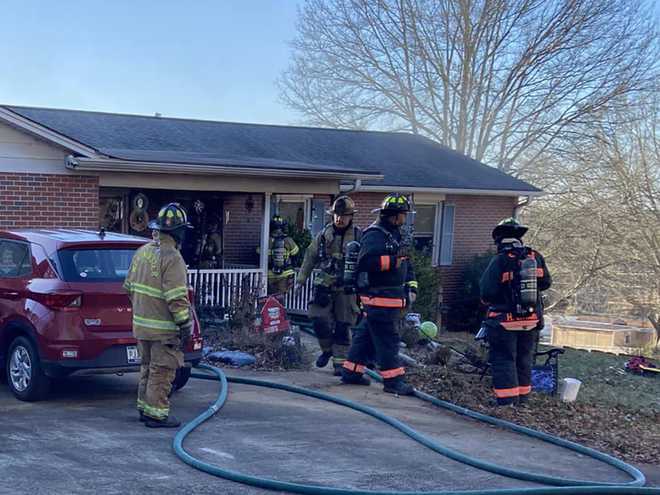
(95, 265)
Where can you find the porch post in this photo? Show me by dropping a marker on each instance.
(265, 235)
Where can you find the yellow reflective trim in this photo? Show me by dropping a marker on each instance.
(147, 290)
(413, 284)
(153, 323)
(176, 293)
(294, 251)
(156, 412)
(182, 315)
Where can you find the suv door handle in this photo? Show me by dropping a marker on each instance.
(9, 294)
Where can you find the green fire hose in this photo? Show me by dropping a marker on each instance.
(561, 485)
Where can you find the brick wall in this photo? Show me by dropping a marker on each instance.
(41, 200)
(242, 234)
(364, 203)
(474, 219)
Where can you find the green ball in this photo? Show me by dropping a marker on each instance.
(429, 329)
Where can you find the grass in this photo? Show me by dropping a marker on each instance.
(604, 380)
(603, 376)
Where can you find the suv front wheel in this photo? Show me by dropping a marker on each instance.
(25, 377)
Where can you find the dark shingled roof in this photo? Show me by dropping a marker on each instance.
(405, 160)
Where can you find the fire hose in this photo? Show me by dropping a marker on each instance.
(559, 485)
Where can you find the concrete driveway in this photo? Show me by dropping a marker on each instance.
(86, 439)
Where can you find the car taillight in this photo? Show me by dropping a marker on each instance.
(61, 300)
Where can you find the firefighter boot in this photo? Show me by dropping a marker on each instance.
(168, 422)
(398, 386)
(353, 378)
(323, 359)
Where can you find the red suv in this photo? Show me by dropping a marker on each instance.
(63, 309)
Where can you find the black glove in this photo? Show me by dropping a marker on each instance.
(185, 332)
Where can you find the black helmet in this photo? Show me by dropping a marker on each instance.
(343, 205)
(509, 227)
(394, 203)
(277, 223)
(171, 217)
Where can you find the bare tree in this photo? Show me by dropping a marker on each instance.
(500, 80)
(600, 224)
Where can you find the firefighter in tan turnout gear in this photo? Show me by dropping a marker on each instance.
(162, 316)
(333, 310)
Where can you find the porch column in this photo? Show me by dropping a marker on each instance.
(265, 235)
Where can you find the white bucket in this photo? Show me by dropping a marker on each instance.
(568, 389)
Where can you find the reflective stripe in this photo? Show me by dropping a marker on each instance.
(393, 373)
(385, 263)
(152, 323)
(294, 251)
(383, 302)
(156, 412)
(508, 321)
(338, 360)
(524, 390)
(176, 293)
(146, 290)
(354, 367)
(507, 276)
(413, 284)
(503, 393)
(141, 405)
(181, 316)
(522, 324)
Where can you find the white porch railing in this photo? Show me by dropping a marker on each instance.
(221, 287)
(217, 287)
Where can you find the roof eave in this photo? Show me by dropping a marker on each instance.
(40, 131)
(131, 166)
(445, 190)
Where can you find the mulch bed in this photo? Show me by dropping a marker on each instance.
(631, 435)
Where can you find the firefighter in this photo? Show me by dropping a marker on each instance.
(162, 317)
(212, 247)
(334, 308)
(281, 252)
(386, 286)
(511, 287)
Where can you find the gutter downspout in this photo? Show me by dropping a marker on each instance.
(356, 187)
(521, 204)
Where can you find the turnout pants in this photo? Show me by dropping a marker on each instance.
(160, 360)
(376, 337)
(511, 358)
(333, 322)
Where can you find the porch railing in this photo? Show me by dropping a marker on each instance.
(221, 287)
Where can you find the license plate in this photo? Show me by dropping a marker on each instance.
(132, 355)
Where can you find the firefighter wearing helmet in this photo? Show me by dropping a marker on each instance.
(334, 308)
(511, 287)
(386, 286)
(162, 315)
(282, 251)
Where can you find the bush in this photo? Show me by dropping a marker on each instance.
(429, 285)
(467, 312)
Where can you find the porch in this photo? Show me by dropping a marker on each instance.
(223, 288)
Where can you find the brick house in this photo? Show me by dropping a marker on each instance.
(78, 169)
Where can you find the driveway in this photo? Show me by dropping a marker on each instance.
(86, 439)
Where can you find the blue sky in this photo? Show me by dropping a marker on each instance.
(209, 59)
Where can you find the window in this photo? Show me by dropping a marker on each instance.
(447, 235)
(15, 259)
(425, 221)
(295, 209)
(95, 265)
